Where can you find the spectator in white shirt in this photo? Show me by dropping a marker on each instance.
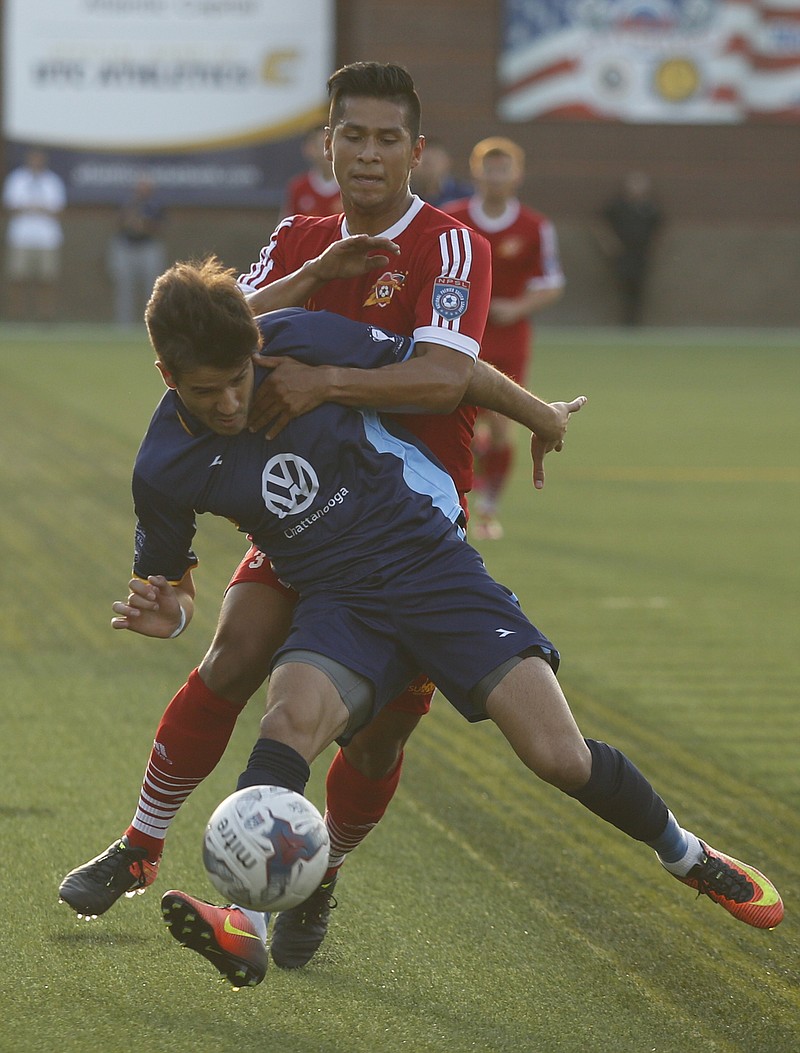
(33, 197)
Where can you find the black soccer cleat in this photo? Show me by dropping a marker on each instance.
(298, 933)
(122, 870)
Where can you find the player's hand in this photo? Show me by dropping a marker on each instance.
(542, 444)
(151, 609)
(351, 257)
(292, 389)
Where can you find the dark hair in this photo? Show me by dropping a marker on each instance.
(374, 80)
(197, 316)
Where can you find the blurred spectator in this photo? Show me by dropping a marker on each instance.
(34, 197)
(136, 254)
(314, 192)
(631, 220)
(433, 180)
(526, 278)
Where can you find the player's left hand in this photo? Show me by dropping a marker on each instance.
(292, 389)
(151, 609)
(542, 445)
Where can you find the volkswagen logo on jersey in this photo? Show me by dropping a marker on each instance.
(450, 297)
(288, 484)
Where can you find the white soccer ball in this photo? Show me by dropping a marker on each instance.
(266, 848)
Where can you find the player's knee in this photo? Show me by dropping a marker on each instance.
(235, 668)
(376, 750)
(306, 728)
(253, 623)
(566, 767)
(374, 762)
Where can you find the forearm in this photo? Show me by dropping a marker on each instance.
(490, 389)
(292, 291)
(412, 385)
(346, 258)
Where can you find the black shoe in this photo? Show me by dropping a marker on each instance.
(298, 933)
(95, 886)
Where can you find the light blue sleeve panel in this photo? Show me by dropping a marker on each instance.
(421, 473)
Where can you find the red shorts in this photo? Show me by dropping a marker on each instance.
(256, 568)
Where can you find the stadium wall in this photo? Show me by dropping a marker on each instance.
(730, 249)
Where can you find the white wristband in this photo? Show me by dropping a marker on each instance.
(180, 627)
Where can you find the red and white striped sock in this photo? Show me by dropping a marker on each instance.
(354, 806)
(190, 740)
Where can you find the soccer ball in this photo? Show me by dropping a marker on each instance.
(266, 848)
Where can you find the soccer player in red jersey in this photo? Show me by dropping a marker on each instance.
(370, 531)
(526, 278)
(389, 260)
(314, 192)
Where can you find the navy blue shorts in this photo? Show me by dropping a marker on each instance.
(443, 615)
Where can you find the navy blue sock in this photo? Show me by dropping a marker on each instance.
(273, 763)
(619, 793)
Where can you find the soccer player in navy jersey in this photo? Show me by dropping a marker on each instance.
(395, 262)
(367, 527)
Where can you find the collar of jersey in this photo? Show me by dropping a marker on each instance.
(492, 224)
(402, 224)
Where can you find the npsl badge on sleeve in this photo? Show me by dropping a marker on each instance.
(450, 297)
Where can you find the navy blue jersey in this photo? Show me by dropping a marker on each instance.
(338, 495)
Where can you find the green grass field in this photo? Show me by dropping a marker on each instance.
(488, 913)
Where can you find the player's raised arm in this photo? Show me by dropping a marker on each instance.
(347, 258)
(155, 607)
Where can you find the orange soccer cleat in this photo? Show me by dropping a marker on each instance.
(741, 889)
(223, 935)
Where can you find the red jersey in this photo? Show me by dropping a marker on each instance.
(437, 290)
(524, 256)
(311, 195)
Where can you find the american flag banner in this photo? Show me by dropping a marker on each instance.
(690, 61)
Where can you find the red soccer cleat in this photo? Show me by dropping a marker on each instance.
(223, 935)
(741, 889)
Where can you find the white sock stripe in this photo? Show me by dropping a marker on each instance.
(157, 813)
(140, 823)
(155, 775)
(337, 828)
(346, 837)
(163, 796)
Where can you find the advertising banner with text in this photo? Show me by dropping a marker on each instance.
(208, 98)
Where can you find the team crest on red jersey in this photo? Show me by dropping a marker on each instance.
(450, 297)
(384, 289)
